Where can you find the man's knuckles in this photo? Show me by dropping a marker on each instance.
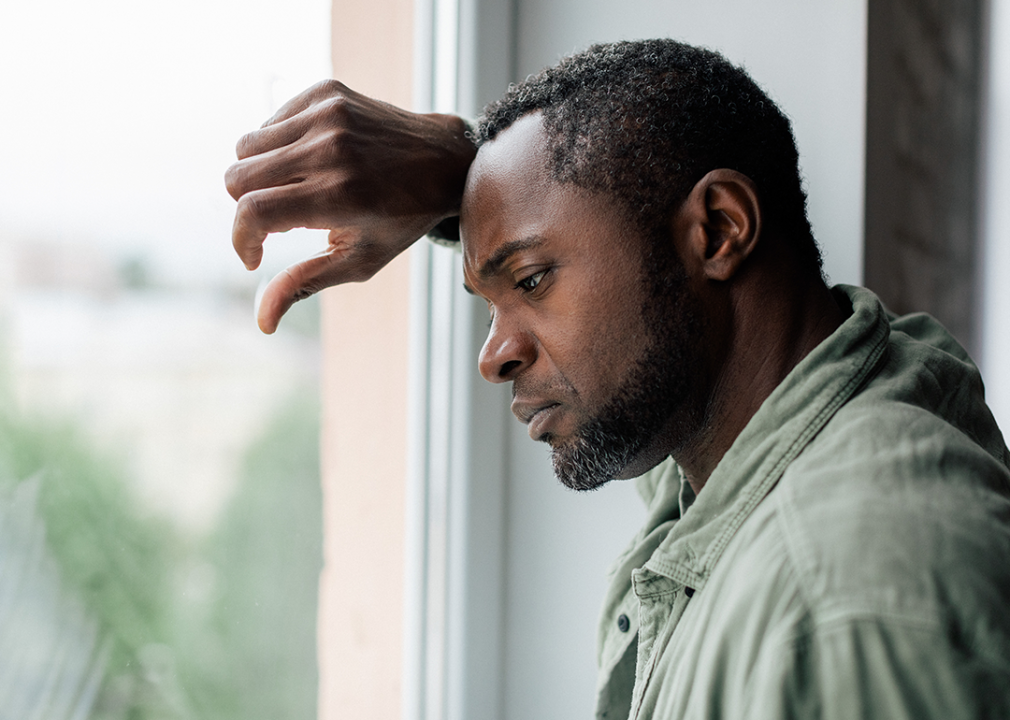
(257, 214)
(334, 111)
(235, 181)
(248, 145)
(328, 88)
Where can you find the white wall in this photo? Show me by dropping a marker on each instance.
(559, 546)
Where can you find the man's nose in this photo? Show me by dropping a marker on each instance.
(506, 352)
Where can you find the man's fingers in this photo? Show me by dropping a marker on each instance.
(296, 283)
(345, 260)
(291, 121)
(297, 104)
(262, 212)
(375, 176)
(285, 166)
(285, 289)
(278, 297)
(270, 137)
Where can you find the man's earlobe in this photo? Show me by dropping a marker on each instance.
(726, 207)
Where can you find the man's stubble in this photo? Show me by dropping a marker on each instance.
(657, 389)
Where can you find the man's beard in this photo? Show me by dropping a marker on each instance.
(658, 386)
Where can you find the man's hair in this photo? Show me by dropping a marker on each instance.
(644, 121)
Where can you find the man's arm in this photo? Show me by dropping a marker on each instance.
(377, 177)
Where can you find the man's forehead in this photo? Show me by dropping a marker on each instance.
(513, 203)
(508, 182)
(522, 146)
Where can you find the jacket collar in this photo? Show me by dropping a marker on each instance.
(786, 422)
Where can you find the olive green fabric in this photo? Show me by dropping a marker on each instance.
(848, 558)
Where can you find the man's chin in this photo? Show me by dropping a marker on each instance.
(582, 464)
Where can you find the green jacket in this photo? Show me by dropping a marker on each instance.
(848, 558)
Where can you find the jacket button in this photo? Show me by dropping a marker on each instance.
(689, 592)
(623, 623)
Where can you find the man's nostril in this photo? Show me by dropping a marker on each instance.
(507, 368)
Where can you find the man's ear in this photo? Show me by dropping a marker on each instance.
(722, 217)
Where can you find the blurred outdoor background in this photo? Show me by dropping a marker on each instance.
(160, 537)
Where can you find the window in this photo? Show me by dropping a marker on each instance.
(160, 522)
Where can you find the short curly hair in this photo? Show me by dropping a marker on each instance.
(644, 121)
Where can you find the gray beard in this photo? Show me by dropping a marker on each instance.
(591, 459)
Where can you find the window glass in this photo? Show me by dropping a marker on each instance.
(160, 512)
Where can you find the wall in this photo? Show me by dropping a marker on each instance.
(922, 166)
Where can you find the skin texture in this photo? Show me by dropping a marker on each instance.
(377, 177)
(561, 270)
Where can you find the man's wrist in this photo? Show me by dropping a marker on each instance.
(446, 232)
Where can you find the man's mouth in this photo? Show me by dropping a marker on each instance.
(536, 415)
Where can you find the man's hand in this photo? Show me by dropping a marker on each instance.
(377, 177)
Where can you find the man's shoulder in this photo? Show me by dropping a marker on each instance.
(896, 514)
(918, 427)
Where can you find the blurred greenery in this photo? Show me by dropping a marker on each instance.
(218, 627)
(134, 273)
(113, 557)
(267, 555)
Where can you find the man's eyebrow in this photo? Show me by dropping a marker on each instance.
(507, 250)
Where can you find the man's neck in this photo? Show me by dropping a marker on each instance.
(774, 324)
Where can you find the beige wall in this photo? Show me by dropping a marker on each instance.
(365, 420)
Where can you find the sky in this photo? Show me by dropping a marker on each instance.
(120, 117)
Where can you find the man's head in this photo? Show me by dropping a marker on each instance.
(643, 121)
(607, 196)
(594, 350)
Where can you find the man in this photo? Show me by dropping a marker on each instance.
(832, 539)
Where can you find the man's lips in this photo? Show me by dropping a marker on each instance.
(535, 414)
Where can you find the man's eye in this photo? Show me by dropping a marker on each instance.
(530, 283)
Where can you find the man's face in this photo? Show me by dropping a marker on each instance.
(599, 352)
